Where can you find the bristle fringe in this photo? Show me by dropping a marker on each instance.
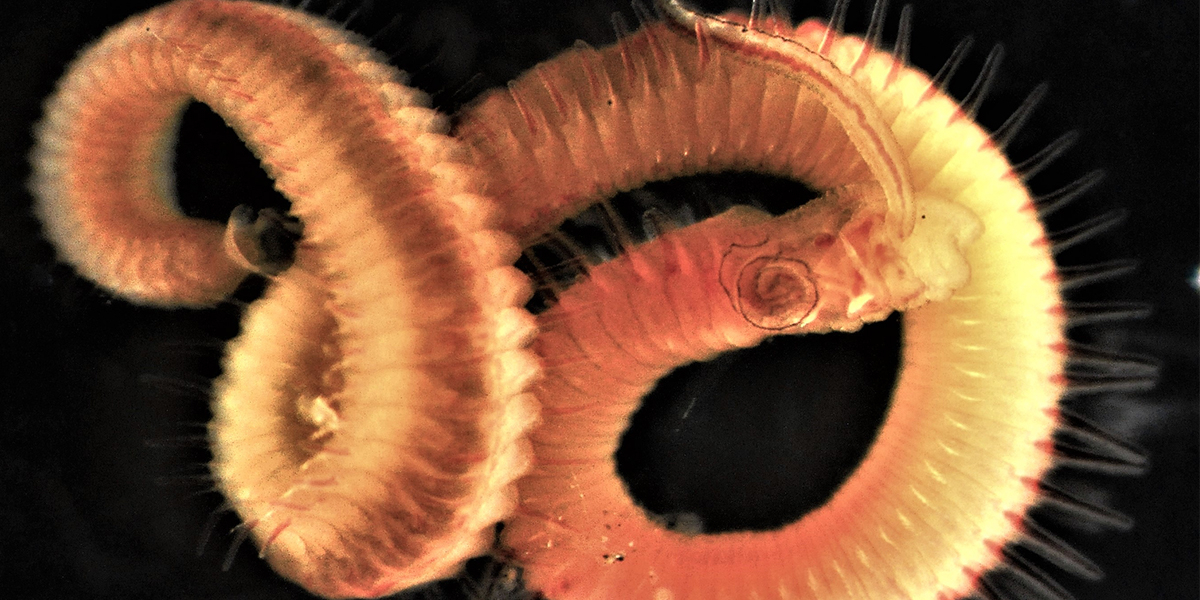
(1060, 499)
(1049, 203)
(983, 82)
(1005, 133)
(942, 79)
(1033, 165)
(1042, 542)
(1090, 313)
(1071, 236)
(1081, 275)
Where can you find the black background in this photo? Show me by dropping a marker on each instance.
(94, 391)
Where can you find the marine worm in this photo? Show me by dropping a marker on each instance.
(374, 413)
(370, 420)
(969, 435)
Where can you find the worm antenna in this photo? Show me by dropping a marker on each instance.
(1004, 134)
(983, 82)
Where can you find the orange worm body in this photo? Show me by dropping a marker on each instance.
(664, 104)
(590, 123)
(947, 483)
(371, 417)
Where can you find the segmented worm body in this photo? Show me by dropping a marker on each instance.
(367, 439)
(379, 406)
(947, 482)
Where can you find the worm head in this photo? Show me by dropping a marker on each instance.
(833, 265)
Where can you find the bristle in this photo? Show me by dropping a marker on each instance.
(1033, 578)
(943, 76)
(241, 531)
(758, 14)
(837, 23)
(1091, 359)
(176, 385)
(1081, 275)
(644, 14)
(778, 9)
(1049, 203)
(1042, 542)
(981, 592)
(1094, 513)
(382, 32)
(568, 248)
(1085, 431)
(179, 441)
(903, 36)
(213, 346)
(901, 47)
(333, 9)
(1004, 134)
(1066, 238)
(1088, 313)
(655, 223)
(541, 273)
(986, 589)
(620, 25)
(1076, 456)
(204, 482)
(621, 28)
(1100, 384)
(350, 18)
(874, 35)
(1033, 165)
(983, 82)
(210, 525)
